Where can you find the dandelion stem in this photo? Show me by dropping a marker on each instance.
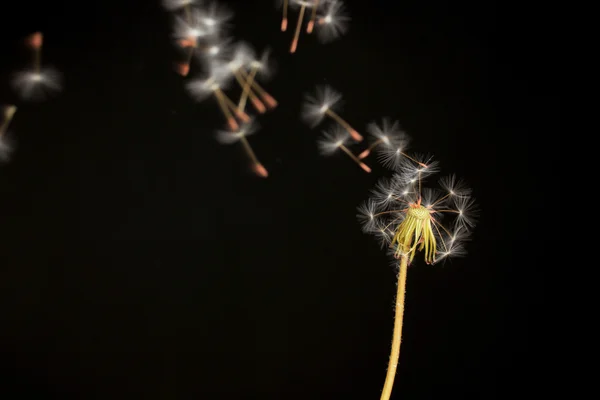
(284, 19)
(247, 87)
(249, 150)
(355, 135)
(261, 92)
(188, 13)
(413, 160)
(355, 159)
(37, 62)
(8, 116)
(311, 23)
(397, 336)
(298, 26)
(233, 125)
(260, 107)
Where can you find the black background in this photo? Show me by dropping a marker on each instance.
(139, 258)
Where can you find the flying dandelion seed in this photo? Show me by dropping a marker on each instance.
(258, 66)
(387, 136)
(264, 95)
(316, 107)
(336, 138)
(334, 22)
(240, 135)
(243, 56)
(201, 89)
(303, 5)
(311, 23)
(36, 83)
(407, 218)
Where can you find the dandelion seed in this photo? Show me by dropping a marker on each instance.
(303, 4)
(201, 89)
(387, 135)
(334, 23)
(266, 97)
(257, 66)
(335, 139)
(316, 107)
(36, 83)
(244, 55)
(240, 135)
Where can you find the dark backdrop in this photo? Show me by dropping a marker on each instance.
(140, 259)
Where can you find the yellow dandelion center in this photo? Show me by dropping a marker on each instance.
(415, 232)
(418, 212)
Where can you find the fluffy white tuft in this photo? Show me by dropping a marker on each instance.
(333, 23)
(315, 106)
(37, 85)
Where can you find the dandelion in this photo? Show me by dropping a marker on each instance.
(240, 135)
(336, 139)
(407, 218)
(5, 146)
(334, 23)
(316, 107)
(36, 83)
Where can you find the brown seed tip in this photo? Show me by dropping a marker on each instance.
(356, 136)
(186, 43)
(284, 25)
(364, 154)
(260, 170)
(294, 45)
(35, 40)
(271, 102)
(310, 26)
(365, 167)
(260, 107)
(233, 125)
(183, 69)
(242, 116)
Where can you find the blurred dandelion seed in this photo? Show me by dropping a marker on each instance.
(316, 107)
(257, 66)
(240, 135)
(36, 83)
(266, 97)
(200, 89)
(388, 137)
(334, 23)
(303, 4)
(336, 138)
(407, 218)
(284, 19)
(244, 55)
